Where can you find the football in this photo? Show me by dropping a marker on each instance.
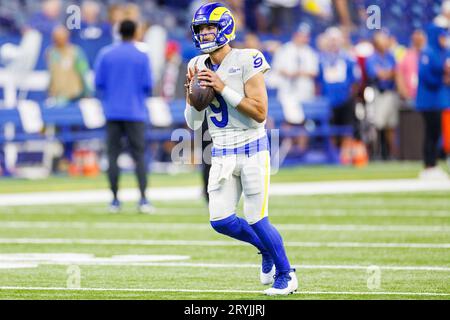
(199, 96)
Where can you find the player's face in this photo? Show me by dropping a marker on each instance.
(207, 32)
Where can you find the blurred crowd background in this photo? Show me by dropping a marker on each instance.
(317, 48)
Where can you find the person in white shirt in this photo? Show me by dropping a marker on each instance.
(296, 65)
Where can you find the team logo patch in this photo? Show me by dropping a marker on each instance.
(234, 70)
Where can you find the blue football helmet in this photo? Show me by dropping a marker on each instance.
(216, 14)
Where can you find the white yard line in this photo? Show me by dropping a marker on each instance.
(363, 186)
(203, 243)
(222, 291)
(257, 266)
(15, 260)
(352, 211)
(314, 267)
(206, 226)
(194, 193)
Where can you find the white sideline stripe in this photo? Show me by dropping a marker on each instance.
(218, 243)
(280, 211)
(224, 291)
(205, 226)
(11, 260)
(257, 266)
(18, 265)
(94, 196)
(194, 193)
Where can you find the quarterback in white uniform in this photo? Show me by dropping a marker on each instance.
(240, 154)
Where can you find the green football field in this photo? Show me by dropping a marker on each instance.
(344, 246)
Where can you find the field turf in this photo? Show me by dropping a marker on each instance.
(331, 239)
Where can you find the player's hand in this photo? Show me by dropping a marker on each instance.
(211, 79)
(191, 73)
(189, 76)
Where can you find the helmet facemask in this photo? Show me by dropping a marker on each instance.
(207, 46)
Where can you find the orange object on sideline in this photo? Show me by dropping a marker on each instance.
(346, 152)
(354, 152)
(90, 164)
(360, 156)
(84, 163)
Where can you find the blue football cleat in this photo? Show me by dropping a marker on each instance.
(285, 283)
(267, 269)
(114, 207)
(144, 206)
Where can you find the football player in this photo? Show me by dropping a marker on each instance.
(240, 152)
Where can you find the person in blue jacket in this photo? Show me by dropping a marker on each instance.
(432, 95)
(123, 82)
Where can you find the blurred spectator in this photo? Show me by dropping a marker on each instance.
(443, 19)
(282, 15)
(268, 47)
(156, 40)
(48, 18)
(173, 78)
(321, 9)
(45, 22)
(432, 96)
(93, 34)
(407, 68)
(380, 69)
(396, 48)
(251, 40)
(296, 65)
(115, 16)
(237, 7)
(131, 11)
(339, 75)
(68, 68)
(348, 13)
(252, 16)
(12, 17)
(152, 40)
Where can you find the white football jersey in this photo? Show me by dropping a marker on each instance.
(228, 127)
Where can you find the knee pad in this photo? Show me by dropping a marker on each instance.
(224, 226)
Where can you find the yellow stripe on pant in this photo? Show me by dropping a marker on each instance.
(266, 185)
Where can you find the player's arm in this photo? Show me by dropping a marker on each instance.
(253, 104)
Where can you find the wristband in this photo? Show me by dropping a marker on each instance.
(231, 97)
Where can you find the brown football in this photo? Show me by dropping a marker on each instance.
(200, 96)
